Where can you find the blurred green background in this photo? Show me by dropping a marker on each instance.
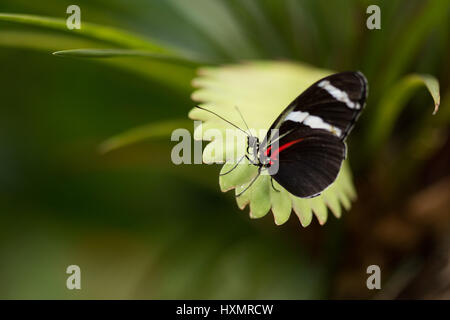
(141, 227)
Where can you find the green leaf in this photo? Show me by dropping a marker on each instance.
(167, 65)
(172, 74)
(260, 201)
(430, 17)
(153, 130)
(303, 211)
(93, 31)
(281, 203)
(36, 40)
(261, 90)
(239, 176)
(218, 25)
(391, 105)
(117, 53)
(432, 85)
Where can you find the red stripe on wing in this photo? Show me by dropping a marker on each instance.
(284, 146)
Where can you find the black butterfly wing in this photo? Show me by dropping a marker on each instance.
(311, 132)
(333, 103)
(306, 161)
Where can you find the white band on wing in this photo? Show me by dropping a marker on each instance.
(339, 95)
(313, 122)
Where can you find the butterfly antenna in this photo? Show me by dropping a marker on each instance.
(243, 120)
(227, 121)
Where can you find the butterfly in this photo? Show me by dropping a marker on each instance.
(304, 148)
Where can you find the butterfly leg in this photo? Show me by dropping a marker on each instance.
(271, 181)
(251, 182)
(234, 167)
(251, 161)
